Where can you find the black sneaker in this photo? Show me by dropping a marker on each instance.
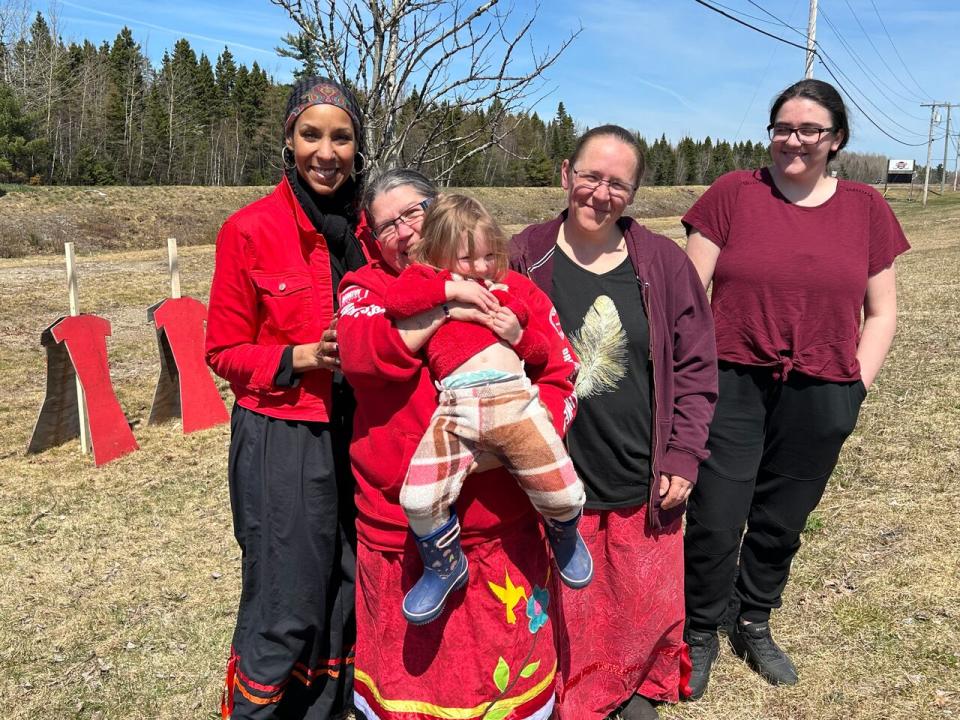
(754, 644)
(704, 648)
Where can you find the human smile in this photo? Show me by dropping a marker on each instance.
(325, 174)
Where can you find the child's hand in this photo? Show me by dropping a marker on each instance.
(472, 293)
(506, 325)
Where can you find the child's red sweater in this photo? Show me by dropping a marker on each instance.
(420, 288)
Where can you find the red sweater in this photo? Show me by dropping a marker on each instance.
(420, 288)
(396, 398)
(271, 288)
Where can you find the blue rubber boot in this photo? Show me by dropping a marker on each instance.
(570, 552)
(444, 570)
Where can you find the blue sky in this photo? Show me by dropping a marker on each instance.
(658, 66)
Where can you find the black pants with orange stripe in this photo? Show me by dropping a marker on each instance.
(291, 493)
(773, 446)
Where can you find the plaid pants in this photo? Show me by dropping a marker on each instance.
(506, 420)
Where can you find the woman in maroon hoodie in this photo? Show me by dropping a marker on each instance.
(634, 309)
(491, 653)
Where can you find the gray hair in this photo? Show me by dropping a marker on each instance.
(393, 179)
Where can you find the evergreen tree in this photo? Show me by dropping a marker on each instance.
(15, 144)
(302, 48)
(125, 101)
(538, 169)
(666, 162)
(687, 161)
(722, 161)
(563, 139)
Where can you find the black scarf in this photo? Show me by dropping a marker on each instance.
(334, 217)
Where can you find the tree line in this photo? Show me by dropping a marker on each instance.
(86, 114)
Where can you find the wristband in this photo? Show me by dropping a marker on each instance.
(446, 311)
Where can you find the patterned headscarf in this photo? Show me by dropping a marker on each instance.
(316, 90)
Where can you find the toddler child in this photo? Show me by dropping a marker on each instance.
(487, 403)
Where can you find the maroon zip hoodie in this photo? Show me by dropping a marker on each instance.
(683, 348)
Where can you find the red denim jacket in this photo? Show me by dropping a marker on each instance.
(271, 288)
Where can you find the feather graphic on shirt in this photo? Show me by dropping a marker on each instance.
(601, 343)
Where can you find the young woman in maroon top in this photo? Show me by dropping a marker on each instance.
(804, 300)
(637, 316)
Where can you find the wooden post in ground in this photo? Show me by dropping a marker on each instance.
(74, 294)
(173, 267)
(185, 388)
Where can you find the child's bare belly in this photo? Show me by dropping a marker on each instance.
(499, 356)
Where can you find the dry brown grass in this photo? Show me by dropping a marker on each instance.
(118, 586)
(40, 220)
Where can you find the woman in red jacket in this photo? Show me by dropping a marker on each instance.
(278, 264)
(491, 653)
(637, 316)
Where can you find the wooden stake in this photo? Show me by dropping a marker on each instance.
(74, 295)
(174, 267)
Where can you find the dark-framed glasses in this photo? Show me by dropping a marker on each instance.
(591, 180)
(413, 213)
(806, 135)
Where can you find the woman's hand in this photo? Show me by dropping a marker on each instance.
(323, 355)
(506, 325)
(674, 490)
(472, 293)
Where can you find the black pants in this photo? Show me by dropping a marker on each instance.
(291, 492)
(773, 446)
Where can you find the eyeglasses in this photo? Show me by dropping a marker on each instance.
(388, 229)
(806, 135)
(592, 181)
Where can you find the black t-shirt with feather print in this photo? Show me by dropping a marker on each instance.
(609, 440)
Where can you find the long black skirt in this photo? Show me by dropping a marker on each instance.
(291, 492)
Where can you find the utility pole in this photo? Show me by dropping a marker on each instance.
(946, 147)
(926, 174)
(811, 39)
(956, 163)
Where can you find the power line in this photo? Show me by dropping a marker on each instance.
(798, 31)
(817, 54)
(864, 95)
(756, 88)
(879, 54)
(752, 17)
(868, 73)
(746, 24)
(857, 105)
(897, 52)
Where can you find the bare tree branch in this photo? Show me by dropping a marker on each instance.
(420, 67)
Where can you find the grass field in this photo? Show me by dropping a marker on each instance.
(40, 219)
(118, 586)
